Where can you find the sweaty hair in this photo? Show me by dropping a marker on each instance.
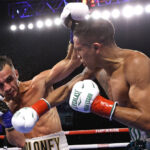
(5, 60)
(90, 31)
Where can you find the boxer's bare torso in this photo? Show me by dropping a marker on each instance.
(30, 92)
(117, 84)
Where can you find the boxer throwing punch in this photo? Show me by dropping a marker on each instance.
(124, 74)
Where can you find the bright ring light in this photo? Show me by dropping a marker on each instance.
(13, 27)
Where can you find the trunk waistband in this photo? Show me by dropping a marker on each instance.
(56, 141)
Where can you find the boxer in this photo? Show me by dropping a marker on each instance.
(42, 127)
(122, 73)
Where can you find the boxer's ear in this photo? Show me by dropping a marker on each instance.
(97, 47)
(17, 74)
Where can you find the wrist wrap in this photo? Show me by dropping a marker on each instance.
(103, 107)
(41, 106)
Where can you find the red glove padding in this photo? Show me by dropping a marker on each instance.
(102, 106)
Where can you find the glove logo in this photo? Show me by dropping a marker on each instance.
(88, 102)
(79, 102)
(75, 99)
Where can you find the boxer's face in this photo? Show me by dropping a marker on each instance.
(86, 53)
(9, 82)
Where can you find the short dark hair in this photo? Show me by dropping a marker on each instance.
(5, 60)
(91, 31)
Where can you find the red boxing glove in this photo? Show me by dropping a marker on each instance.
(103, 107)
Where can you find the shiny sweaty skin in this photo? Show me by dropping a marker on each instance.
(31, 92)
(124, 75)
(23, 94)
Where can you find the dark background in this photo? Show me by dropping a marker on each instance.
(35, 51)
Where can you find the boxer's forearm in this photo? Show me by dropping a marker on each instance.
(70, 51)
(58, 96)
(15, 138)
(132, 117)
(63, 68)
(60, 71)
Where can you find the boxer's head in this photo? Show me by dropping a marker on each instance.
(91, 31)
(8, 78)
(90, 36)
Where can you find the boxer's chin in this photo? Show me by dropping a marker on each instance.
(11, 96)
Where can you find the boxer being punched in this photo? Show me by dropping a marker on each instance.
(19, 94)
(47, 132)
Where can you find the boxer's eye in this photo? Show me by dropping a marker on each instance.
(9, 79)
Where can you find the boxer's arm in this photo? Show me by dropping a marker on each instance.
(72, 12)
(15, 138)
(60, 94)
(138, 77)
(65, 67)
(61, 70)
(25, 118)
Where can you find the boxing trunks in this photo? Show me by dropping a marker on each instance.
(140, 140)
(56, 141)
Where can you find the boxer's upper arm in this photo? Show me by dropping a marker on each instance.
(138, 78)
(137, 74)
(136, 112)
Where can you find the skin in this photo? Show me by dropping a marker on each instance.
(124, 75)
(23, 94)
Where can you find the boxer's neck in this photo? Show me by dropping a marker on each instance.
(111, 58)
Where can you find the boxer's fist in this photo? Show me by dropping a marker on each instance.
(83, 95)
(5, 114)
(3, 107)
(85, 98)
(25, 119)
(74, 11)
